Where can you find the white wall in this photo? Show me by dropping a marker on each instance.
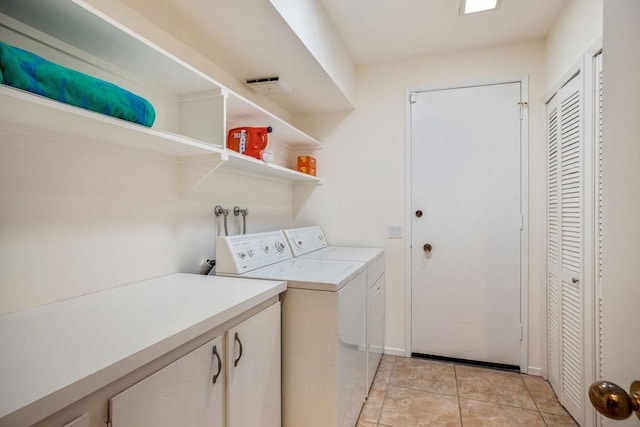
(574, 32)
(363, 164)
(78, 218)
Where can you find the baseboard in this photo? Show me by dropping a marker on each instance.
(394, 351)
(534, 370)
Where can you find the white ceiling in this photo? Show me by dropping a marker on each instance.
(384, 30)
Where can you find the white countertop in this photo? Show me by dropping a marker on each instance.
(55, 354)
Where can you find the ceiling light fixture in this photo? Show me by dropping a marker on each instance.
(473, 6)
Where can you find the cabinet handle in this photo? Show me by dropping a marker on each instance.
(217, 356)
(236, 338)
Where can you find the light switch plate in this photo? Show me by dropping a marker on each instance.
(394, 231)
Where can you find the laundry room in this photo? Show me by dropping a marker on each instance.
(312, 197)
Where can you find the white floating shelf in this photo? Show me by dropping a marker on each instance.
(242, 164)
(79, 25)
(27, 113)
(31, 114)
(242, 112)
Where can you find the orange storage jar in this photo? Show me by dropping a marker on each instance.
(307, 164)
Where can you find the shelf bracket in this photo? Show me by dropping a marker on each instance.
(192, 171)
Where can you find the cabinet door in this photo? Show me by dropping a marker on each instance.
(182, 394)
(253, 359)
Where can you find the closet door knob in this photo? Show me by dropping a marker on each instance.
(427, 247)
(575, 280)
(613, 402)
(419, 213)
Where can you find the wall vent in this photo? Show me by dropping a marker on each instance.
(269, 85)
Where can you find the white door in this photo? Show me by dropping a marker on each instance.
(621, 198)
(554, 353)
(466, 204)
(566, 242)
(253, 369)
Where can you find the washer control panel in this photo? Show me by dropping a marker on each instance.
(305, 240)
(242, 253)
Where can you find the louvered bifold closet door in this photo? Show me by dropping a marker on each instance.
(570, 177)
(553, 253)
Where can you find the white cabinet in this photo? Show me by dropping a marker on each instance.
(239, 371)
(253, 373)
(82, 421)
(128, 334)
(188, 392)
(193, 110)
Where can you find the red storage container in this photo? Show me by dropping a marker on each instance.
(248, 141)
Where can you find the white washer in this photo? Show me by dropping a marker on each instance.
(323, 327)
(310, 243)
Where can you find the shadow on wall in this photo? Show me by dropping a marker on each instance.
(322, 126)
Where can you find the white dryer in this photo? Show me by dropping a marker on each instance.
(323, 327)
(310, 243)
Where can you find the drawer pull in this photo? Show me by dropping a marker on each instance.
(236, 338)
(217, 356)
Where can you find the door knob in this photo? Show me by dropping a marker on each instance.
(427, 247)
(575, 280)
(613, 402)
(419, 213)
